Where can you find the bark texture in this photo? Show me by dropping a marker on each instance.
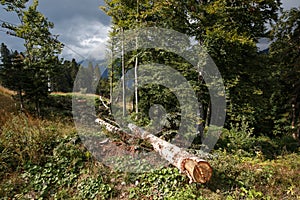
(197, 169)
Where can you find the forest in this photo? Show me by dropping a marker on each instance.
(157, 77)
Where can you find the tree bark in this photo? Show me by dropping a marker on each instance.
(136, 68)
(197, 169)
(136, 84)
(113, 129)
(123, 75)
(111, 72)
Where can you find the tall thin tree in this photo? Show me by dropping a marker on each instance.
(123, 73)
(136, 65)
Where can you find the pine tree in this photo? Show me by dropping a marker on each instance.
(41, 49)
(12, 72)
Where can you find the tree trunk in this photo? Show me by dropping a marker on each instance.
(113, 129)
(200, 126)
(136, 69)
(197, 169)
(21, 99)
(136, 85)
(112, 72)
(123, 75)
(207, 115)
(295, 122)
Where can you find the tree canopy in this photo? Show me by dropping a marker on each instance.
(229, 30)
(262, 89)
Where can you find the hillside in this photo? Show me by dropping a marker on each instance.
(7, 104)
(46, 159)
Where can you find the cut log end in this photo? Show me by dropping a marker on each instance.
(199, 172)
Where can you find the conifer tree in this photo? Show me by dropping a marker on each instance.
(41, 48)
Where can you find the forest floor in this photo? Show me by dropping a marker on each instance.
(47, 159)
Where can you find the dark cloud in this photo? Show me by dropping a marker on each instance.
(81, 26)
(64, 10)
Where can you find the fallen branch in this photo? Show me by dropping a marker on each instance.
(197, 169)
(103, 103)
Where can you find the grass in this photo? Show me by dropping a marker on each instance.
(6, 92)
(7, 105)
(45, 159)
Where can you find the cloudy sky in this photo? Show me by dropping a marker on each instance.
(80, 24)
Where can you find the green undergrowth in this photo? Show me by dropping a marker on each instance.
(46, 159)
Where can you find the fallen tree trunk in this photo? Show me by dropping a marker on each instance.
(113, 129)
(197, 169)
(109, 127)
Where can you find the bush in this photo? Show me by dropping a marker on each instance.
(238, 137)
